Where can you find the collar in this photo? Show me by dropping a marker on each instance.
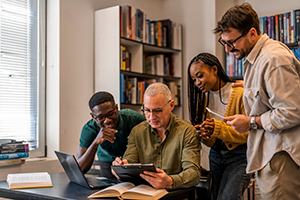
(120, 122)
(257, 48)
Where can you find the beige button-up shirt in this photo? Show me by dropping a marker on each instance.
(272, 88)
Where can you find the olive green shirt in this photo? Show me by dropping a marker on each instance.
(178, 154)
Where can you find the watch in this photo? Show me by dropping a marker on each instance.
(253, 125)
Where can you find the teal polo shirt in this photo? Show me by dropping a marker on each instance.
(108, 151)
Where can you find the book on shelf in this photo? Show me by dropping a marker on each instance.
(123, 57)
(9, 162)
(174, 91)
(122, 88)
(133, 90)
(127, 190)
(280, 22)
(269, 27)
(148, 31)
(14, 155)
(121, 22)
(297, 25)
(167, 23)
(292, 26)
(276, 24)
(158, 33)
(133, 23)
(160, 64)
(152, 32)
(176, 42)
(273, 27)
(126, 20)
(29, 180)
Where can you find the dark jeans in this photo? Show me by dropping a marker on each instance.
(229, 173)
(106, 170)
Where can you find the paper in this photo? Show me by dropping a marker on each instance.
(215, 113)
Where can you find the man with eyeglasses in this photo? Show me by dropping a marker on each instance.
(168, 142)
(106, 133)
(271, 101)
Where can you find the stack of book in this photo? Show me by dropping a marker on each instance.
(13, 152)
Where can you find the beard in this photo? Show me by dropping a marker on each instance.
(243, 52)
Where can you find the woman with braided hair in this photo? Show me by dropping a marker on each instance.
(210, 87)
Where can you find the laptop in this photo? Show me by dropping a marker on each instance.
(75, 175)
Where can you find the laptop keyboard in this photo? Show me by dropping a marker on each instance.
(97, 183)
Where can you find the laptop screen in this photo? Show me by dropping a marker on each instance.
(72, 169)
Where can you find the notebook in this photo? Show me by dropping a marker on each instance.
(75, 175)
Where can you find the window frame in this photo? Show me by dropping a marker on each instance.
(40, 151)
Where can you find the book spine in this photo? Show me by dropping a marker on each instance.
(14, 146)
(5, 151)
(269, 27)
(261, 25)
(284, 28)
(292, 22)
(297, 25)
(276, 27)
(280, 21)
(273, 27)
(12, 162)
(14, 155)
(288, 28)
(122, 88)
(266, 25)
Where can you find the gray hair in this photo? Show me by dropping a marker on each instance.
(158, 88)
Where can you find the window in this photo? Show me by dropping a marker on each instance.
(22, 72)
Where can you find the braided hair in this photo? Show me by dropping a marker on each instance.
(196, 98)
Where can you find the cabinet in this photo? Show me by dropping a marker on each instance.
(108, 73)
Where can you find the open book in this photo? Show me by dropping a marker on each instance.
(29, 180)
(127, 190)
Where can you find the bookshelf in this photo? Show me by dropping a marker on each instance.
(109, 72)
(284, 27)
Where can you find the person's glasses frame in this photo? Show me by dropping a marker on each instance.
(110, 115)
(154, 111)
(230, 43)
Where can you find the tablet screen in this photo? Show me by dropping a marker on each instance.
(131, 172)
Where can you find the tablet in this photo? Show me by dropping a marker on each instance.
(131, 172)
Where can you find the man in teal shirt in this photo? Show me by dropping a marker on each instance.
(106, 133)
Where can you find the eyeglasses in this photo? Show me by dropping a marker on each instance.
(110, 115)
(154, 111)
(230, 43)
